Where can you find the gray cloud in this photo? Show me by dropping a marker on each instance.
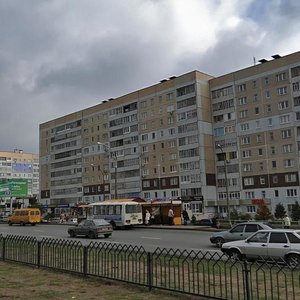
(57, 57)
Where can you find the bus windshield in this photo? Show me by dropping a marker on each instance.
(129, 209)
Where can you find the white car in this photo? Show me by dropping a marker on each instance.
(274, 243)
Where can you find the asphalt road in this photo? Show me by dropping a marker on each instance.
(148, 238)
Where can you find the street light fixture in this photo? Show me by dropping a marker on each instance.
(107, 149)
(226, 182)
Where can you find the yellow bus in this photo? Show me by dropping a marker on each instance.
(25, 216)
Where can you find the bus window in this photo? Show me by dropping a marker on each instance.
(118, 209)
(110, 209)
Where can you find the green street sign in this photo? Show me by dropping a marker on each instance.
(13, 188)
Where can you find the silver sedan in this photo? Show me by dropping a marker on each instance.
(275, 243)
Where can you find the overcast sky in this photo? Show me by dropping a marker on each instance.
(60, 56)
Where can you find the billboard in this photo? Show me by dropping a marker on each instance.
(13, 188)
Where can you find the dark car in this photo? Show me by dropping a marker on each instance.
(205, 222)
(91, 229)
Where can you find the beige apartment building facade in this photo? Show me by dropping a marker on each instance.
(18, 165)
(256, 120)
(194, 137)
(155, 143)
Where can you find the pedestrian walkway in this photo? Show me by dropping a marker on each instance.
(179, 227)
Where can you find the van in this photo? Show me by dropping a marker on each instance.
(25, 216)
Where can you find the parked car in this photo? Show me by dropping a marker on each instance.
(205, 222)
(238, 232)
(91, 229)
(274, 243)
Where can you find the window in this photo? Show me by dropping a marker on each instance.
(268, 94)
(243, 114)
(245, 127)
(290, 177)
(287, 133)
(276, 193)
(243, 100)
(270, 122)
(248, 181)
(185, 90)
(296, 86)
(273, 151)
(260, 151)
(260, 237)
(251, 228)
(284, 119)
(269, 108)
(291, 192)
(246, 153)
(262, 180)
(281, 77)
(266, 80)
(288, 163)
(274, 165)
(282, 91)
(283, 104)
(256, 110)
(287, 148)
(297, 101)
(258, 138)
(245, 140)
(278, 237)
(293, 239)
(251, 209)
(242, 87)
(247, 167)
(237, 229)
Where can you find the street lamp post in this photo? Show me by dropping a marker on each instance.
(226, 182)
(106, 149)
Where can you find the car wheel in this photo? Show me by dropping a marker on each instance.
(293, 260)
(234, 255)
(113, 224)
(107, 235)
(91, 235)
(72, 234)
(219, 242)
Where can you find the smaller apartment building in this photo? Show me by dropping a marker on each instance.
(19, 165)
(194, 137)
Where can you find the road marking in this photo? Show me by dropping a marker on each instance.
(150, 238)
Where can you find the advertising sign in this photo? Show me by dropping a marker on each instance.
(13, 188)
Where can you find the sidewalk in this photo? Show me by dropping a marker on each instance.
(179, 227)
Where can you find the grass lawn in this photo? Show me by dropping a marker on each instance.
(19, 281)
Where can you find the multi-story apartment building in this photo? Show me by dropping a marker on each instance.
(153, 143)
(219, 143)
(256, 115)
(18, 165)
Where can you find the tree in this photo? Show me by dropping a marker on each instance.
(263, 213)
(295, 215)
(279, 211)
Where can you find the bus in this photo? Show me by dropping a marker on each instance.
(25, 216)
(118, 214)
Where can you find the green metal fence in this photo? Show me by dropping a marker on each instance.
(189, 272)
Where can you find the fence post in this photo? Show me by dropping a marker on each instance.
(39, 254)
(150, 270)
(246, 271)
(3, 249)
(85, 260)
